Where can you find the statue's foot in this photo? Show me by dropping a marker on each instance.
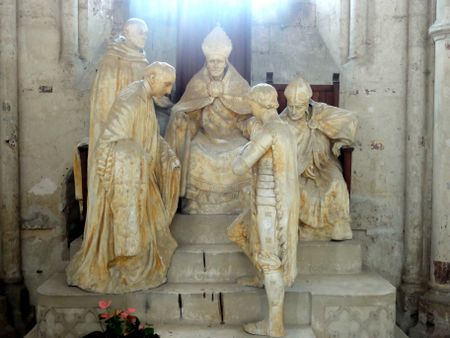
(263, 328)
(250, 281)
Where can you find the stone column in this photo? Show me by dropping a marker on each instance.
(357, 29)
(69, 30)
(434, 306)
(416, 110)
(9, 149)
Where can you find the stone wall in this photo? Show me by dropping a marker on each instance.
(373, 67)
(59, 45)
(286, 40)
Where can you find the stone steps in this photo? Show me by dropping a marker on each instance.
(316, 300)
(223, 331)
(210, 263)
(332, 296)
(201, 229)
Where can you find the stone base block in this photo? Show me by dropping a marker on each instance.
(434, 316)
(329, 257)
(224, 331)
(361, 305)
(208, 263)
(201, 229)
(226, 262)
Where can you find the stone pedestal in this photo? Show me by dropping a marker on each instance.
(332, 296)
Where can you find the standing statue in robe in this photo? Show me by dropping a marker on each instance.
(127, 243)
(268, 232)
(203, 131)
(122, 64)
(321, 130)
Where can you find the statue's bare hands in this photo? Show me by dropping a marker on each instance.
(337, 148)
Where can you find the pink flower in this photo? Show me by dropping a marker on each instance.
(131, 310)
(104, 304)
(105, 315)
(132, 319)
(123, 314)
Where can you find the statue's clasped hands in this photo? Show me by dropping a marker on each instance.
(215, 88)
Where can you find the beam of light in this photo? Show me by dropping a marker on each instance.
(161, 9)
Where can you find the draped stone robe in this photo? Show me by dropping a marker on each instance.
(208, 140)
(127, 243)
(324, 199)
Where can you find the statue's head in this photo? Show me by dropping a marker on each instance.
(298, 93)
(160, 77)
(135, 32)
(217, 48)
(262, 98)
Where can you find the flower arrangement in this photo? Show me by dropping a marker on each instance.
(121, 323)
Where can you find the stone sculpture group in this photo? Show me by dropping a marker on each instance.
(226, 151)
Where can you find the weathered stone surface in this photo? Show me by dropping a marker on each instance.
(201, 229)
(329, 257)
(320, 297)
(208, 263)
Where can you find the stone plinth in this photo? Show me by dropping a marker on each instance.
(332, 296)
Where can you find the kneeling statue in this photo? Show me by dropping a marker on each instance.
(127, 243)
(268, 232)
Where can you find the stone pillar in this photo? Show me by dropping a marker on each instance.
(69, 30)
(357, 29)
(416, 111)
(9, 149)
(434, 306)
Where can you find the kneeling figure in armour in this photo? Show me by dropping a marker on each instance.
(267, 232)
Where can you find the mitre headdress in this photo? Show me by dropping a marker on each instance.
(297, 89)
(217, 42)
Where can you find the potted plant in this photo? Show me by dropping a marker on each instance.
(120, 323)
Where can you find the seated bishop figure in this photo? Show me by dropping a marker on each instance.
(203, 131)
(321, 130)
(127, 243)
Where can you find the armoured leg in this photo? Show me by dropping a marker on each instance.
(270, 263)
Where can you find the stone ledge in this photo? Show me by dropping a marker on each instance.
(224, 331)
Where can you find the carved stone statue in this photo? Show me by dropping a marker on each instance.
(122, 64)
(321, 130)
(204, 134)
(127, 244)
(268, 233)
